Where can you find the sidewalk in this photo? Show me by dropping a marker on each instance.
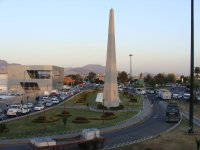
(195, 119)
(143, 114)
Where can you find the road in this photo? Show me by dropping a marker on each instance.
(154, 125)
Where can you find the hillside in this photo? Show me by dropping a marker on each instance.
(85, 70)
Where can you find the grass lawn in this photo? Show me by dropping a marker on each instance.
(177, 139)
(27, 128)
(91, 97)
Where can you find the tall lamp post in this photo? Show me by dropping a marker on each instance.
(190, 130)
(130, 66)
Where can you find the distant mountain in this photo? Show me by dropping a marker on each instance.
(85, 70)
(3, 63)
(3, 66)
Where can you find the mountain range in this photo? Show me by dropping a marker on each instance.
(3, 66)
(85, 70)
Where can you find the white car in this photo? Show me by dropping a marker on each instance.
(48, 103)
(39, 107)
(186, 96)
(55, 101)
(14, 110)
(30, 105)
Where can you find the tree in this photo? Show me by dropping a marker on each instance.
(64, 119)
(171, 78)
(91, 76)
(141, 75)
(77, 78)
(196, 86)
(160, 79)
(197, 71)
(122, 77)
(149, 80)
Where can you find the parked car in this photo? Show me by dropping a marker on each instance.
(2, 116)
(55, 101)
(16, 109)
(48, 103)
(39, 107)
(186, 96)
(30, 105)
(198, 98)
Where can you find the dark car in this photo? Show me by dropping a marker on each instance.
(172, 113)
(2, 116)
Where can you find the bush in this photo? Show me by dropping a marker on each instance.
(65, 112)
(120, 107)
(100, 106)
(3, 128)
(81, 100)
(45, 119)
(133, 99)
(80, 120)
(108, 116)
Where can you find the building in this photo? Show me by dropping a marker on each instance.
(3, 82)
(29, 78)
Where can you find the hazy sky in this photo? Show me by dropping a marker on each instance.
(73, 33)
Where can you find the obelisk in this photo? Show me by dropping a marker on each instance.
(110, 93)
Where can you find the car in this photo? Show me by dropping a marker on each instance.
(30, 105)
(175, 96)
(39, 107)
(186, 96)
(198, 98)
(2, 116)
(55, 101)
(41, 102)
(48, 103)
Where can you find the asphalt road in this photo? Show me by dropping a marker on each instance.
(154, 125)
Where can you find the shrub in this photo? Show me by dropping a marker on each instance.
(108, 116)
(65, 112)
(45, 119)
(80, 120)
(120, 107)
(133, 99)
(81, 100)
(100, 106)
(3, 128)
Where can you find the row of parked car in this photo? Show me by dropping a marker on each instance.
(41, 103)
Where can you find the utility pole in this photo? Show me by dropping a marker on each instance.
(190, 130)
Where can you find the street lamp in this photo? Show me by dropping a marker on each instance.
(130, 66)
(190, 130)
(27, 105)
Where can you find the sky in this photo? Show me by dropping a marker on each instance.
(73, 33)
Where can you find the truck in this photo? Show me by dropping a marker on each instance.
(172, 113)
(164, 94)
(90, 139)
(15, 110)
